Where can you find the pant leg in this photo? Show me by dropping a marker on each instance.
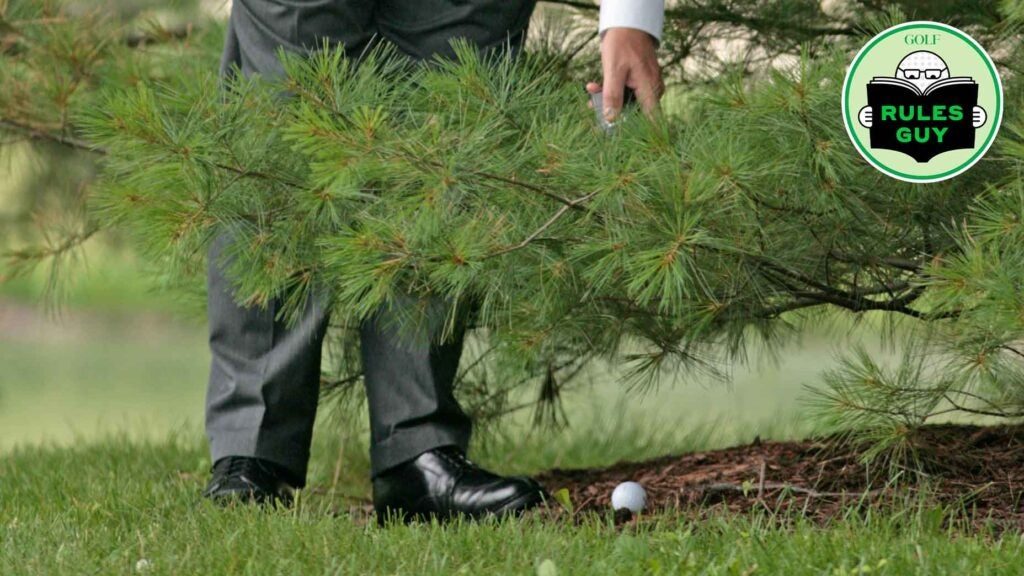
(408, 380)
(412, 408)
(425, 28)
(265, 376)
(258, 28)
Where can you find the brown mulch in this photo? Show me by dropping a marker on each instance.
(978, 470)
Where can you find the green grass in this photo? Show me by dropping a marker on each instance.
(103, 507)
(103, 458)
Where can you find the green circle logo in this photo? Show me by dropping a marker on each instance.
(922, 102)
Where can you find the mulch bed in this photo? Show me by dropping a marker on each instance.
(975, 469)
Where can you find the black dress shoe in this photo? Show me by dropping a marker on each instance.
(248, 480)
(443, 484)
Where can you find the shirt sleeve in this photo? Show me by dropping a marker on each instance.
(646, 15)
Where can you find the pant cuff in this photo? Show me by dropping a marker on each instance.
(294, 459)
(406, 444)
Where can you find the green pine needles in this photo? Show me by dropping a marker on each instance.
(483, 185)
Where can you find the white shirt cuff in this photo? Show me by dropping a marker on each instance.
(646, 15)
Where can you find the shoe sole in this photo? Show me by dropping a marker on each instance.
(514, 507)
(225, 498)
(520, 504)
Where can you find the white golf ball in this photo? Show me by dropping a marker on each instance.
(629, 495)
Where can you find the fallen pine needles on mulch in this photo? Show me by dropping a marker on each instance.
(975, 470)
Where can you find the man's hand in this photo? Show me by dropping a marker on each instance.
(628, 59)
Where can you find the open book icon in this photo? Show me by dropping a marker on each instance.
(937, 85)
(922, 123)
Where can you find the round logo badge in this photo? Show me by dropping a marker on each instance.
(922, 102)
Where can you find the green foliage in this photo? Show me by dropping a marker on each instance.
(55, 59)
(483, 184)
(489, 187)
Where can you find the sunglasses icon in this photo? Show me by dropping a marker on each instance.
(914, 73)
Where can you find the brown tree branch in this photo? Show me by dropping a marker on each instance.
(35, 132)
(536, 233)
(689, 16)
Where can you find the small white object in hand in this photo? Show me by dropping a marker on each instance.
(629, 495)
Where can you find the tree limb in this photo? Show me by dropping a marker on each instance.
(690, 15)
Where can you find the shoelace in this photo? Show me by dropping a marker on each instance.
(456, 456)
(244, 467)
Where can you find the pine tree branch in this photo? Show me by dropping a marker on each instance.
(979, 412)
(851, 299)
(512, 181)
(860, 304)
(579, 361)
(536, 233)
(776, 311)
(527, 186)
(843, 299)
(132, 39)
(688, 15)
(844, 403)
(718, 488)
(897, 262)
(328, 384)
(259, 175)
(40, 133)
(463, 372)
(35, 132)
(18, 258)
(960, 392)
(1009, 348)
(574, 4)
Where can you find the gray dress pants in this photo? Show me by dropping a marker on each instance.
(264, 376)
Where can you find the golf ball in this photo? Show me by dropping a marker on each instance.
(629, 495)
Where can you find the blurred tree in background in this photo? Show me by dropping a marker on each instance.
(735, 217)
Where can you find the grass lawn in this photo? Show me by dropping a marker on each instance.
(102, 459)
(122, 506)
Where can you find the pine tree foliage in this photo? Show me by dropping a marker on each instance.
(483, 185)
(54, 60)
